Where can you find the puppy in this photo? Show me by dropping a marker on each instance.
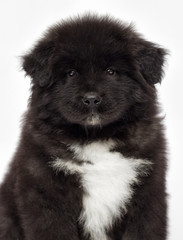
(91, 160)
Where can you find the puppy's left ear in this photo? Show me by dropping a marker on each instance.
(37, 63)
(150, 59)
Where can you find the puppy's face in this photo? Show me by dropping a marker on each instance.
(93, 72)
(92, 84)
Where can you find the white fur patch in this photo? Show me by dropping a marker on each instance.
(107, 179)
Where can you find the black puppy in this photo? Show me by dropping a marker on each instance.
(91, 160)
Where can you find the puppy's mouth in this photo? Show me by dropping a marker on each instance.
(93, 119)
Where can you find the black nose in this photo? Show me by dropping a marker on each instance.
(91, 99)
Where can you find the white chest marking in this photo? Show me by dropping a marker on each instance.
(107, 179)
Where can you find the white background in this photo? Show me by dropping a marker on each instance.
(161, 21)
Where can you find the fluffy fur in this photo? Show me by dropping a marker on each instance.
(107, 178)
(91, 160)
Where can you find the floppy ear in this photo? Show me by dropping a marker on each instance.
(150, 59)
(36, 64)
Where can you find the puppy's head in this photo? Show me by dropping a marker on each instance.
(93, 71)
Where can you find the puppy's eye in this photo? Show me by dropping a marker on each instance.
(110, 71)
(71, 73)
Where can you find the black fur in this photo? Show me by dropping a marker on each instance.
(37, 203)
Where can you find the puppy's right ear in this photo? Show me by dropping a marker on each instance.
(36, 64)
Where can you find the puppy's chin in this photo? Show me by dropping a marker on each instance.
(97, 120)
(93, 120)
